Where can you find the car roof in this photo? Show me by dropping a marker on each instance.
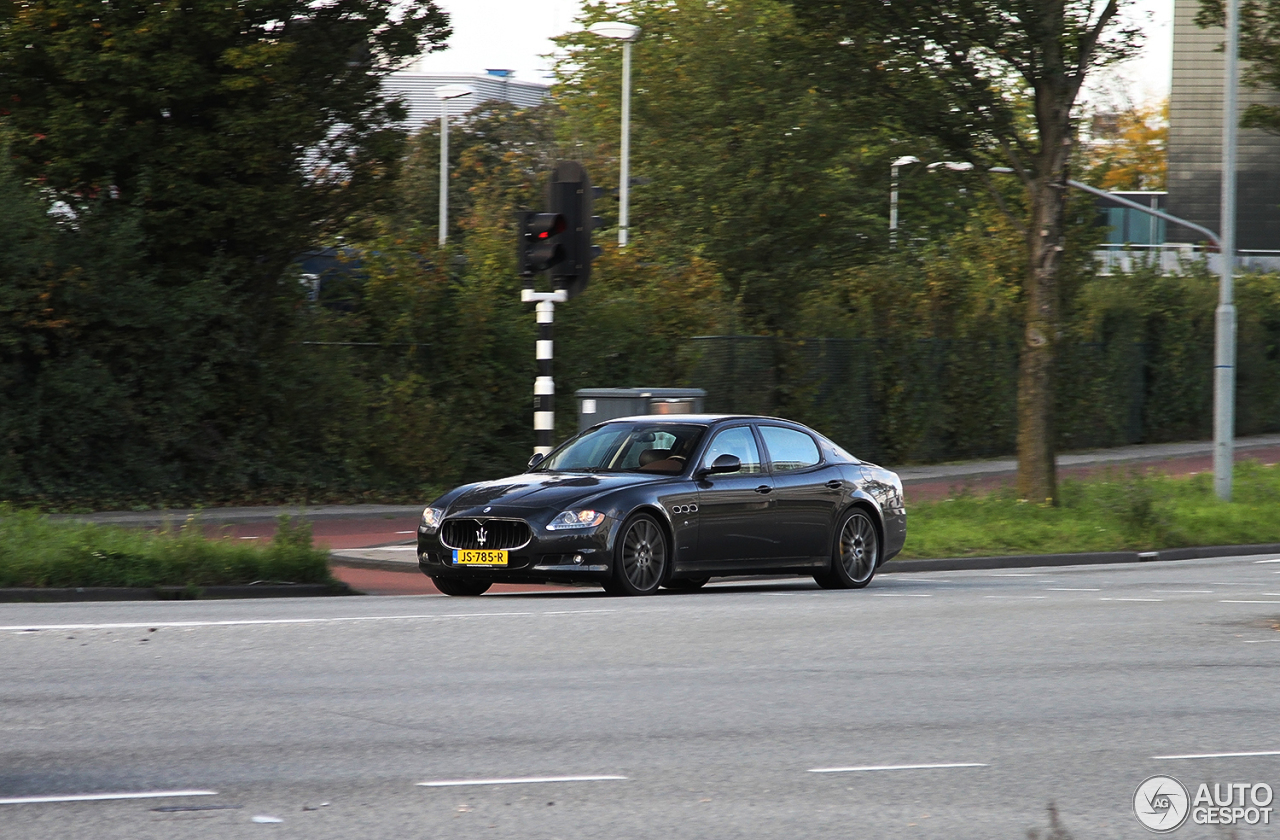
(706, 419)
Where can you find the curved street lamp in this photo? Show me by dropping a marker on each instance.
(445, 93)
(627, 33)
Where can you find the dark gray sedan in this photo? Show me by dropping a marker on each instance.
(639, 503)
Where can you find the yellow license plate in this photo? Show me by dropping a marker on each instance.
(479, 557)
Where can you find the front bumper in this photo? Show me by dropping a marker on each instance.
(575, 556)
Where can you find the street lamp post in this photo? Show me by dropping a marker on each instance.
(446, 92)
(627, 33)
(1224, 353)
(954, 166)
(905, 160)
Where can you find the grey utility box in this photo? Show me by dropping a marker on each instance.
(598, 404)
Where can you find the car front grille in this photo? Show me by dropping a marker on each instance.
(486, 533)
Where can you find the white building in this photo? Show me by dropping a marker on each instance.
(418, 92)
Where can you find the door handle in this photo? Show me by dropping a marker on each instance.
(764, 488)
(834, 484)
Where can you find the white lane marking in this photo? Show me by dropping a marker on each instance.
(1217, 755)
(1184, 591)
(902, 594)
(1150, 600)
(529, 780)
(1014, 574)
(406, 532)
(1063, 589)
(96, 797)
(1249, 602)
(1259, 641)
(1275, 560)
(870, 767)
(24, 628)
(1023, 597)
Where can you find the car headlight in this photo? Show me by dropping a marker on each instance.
(576, 519)
(431, 519)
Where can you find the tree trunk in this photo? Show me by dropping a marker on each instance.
(1037, 478)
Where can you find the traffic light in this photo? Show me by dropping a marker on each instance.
(537, 242)
(569, 194)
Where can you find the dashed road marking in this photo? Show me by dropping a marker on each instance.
(130, 625)
(872, 767)
(1217, 755)
(97, 797)
(526, 780)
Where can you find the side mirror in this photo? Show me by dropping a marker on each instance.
(537, 458)
(725, 463)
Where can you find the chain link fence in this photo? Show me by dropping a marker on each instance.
(921, 401)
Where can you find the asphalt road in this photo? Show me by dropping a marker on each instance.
(717, 707)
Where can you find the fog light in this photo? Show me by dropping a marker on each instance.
(577, 559)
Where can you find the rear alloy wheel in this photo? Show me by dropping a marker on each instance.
(462, 588)
(855, 555)
(640, 557)
(686, 584)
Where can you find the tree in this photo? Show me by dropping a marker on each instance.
(240, 128)
(1127, 148)
(996, 83)
(182, 155)
(1260, 46)
(743, 155)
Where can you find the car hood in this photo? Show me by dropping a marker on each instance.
(538, 491)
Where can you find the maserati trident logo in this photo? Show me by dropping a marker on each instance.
(482, 536)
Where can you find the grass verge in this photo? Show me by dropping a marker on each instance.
(36, 551)
(1121, 511)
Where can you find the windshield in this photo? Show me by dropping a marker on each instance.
(627, 447)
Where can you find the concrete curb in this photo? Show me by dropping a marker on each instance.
(1031, 561)
(384, 565)
(172, 593)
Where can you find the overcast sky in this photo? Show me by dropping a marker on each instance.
(514, 35)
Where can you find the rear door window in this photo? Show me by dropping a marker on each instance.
(790, 450)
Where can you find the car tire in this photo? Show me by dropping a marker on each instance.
(640, 557)
(461, 588)
(686, 584)
(855, 552)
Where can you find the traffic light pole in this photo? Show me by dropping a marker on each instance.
(544, 387)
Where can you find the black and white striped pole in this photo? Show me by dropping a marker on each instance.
(544, 386)
(558, 242)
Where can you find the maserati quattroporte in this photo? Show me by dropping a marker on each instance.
(639, 503)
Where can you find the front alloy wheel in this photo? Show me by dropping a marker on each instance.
(855, 555)
(640, 558)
